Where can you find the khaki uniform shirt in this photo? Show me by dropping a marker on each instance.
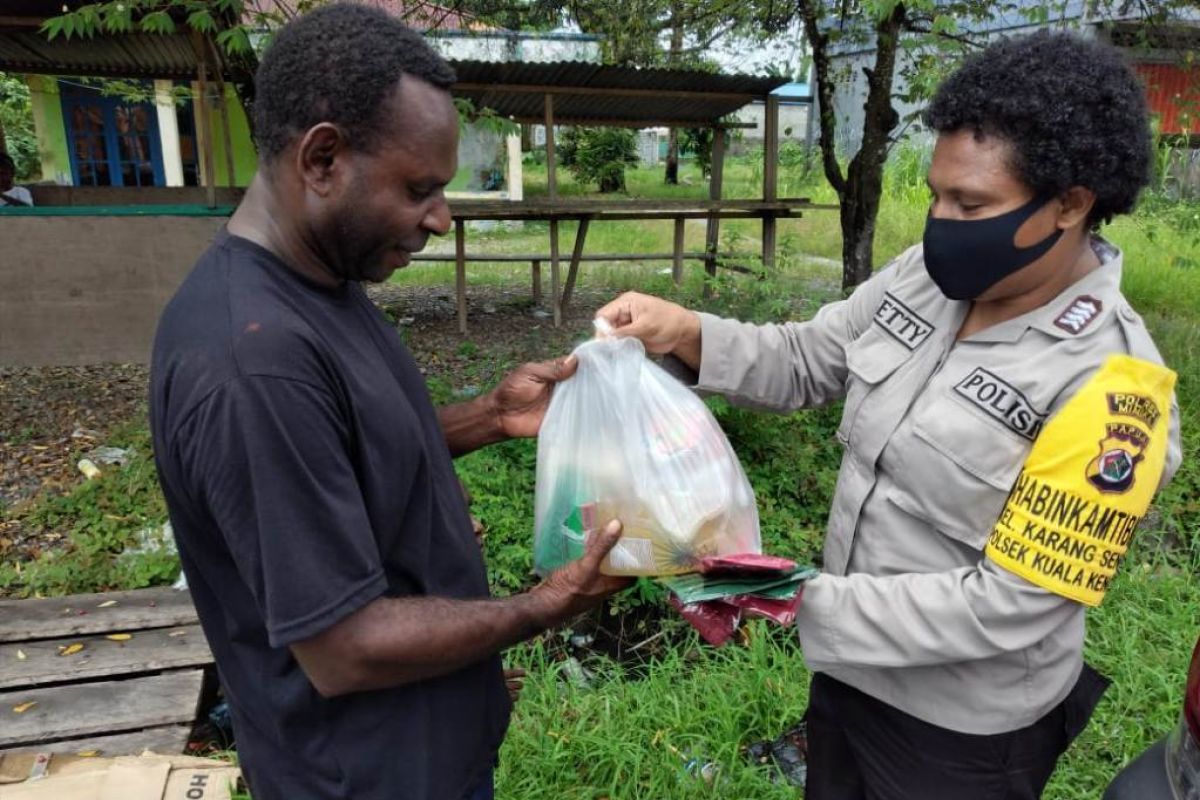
(935, 432)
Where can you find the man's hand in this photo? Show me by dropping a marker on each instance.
(521, 399)
(662, 326)
(580, 586)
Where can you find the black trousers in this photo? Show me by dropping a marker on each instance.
(860, 748)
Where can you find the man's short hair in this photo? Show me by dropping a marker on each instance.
(7, 161)
(1072, 110)
(338, 64)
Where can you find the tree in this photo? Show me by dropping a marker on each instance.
(601, 156)
(664, 33)
(17, 137)
(919, 40)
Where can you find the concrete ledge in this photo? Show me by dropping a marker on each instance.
(89, 290)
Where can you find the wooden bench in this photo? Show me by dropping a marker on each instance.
(106, 674)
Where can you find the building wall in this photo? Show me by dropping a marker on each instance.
(88, 290)
(51, 132)
(850, 88)
(793, 122)
(245, 159)
(498, 46)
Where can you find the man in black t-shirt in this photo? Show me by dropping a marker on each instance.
(308, 476)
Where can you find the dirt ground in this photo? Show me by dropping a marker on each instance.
(52, 416)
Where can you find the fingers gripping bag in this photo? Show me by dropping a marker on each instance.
(624, 440)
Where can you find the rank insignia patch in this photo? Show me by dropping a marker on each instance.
(1079, 314)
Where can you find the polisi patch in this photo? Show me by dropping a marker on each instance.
(1002, 402)
(905, 325)
(1079, 314)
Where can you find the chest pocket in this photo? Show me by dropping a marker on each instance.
(870, 360)
(956, 466)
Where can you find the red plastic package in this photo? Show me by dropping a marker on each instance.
(745, 564)
(782, 612)
(714, 620)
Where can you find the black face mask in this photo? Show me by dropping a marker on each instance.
(965, 258)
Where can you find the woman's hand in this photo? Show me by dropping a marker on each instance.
(662, 326)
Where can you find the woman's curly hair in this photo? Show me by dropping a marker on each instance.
(1070, 107)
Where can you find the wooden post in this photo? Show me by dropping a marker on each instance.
(576, 254)
(210, 178)
(537, 282)
(770, 178)
(552, 193)
(714, 193)
(551, 165)
(677, 263)
(554, 297)
(223, 110)
(460, 272)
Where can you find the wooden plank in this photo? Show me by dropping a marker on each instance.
(85, 709)
(657, 122)
(165, 740)
(609, 91)
(573, 272)
(460, 273)
(677, 255)
(83, 614)
(516, 258)
(551, 162)
(715, 182)
(37, 663)
(578, 207)
(554, 297)
(537, 280)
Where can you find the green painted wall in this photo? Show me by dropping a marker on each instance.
(51, 131)
(245, 160)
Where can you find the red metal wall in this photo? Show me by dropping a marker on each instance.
(1173, 93)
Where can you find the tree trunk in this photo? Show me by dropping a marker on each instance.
(671, 175)
(860, 188)
(859, 201)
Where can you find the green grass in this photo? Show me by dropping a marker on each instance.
(624, 736)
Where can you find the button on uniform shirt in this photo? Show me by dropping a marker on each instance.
(935, 431)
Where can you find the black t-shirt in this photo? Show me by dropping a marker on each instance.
(306, 475)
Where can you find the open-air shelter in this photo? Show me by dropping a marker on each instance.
(111, 269)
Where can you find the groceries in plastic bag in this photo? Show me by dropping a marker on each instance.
(624, 440)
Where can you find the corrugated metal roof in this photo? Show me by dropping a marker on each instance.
(586, 93)
(133, 55)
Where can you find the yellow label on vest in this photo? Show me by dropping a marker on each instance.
(1087, 482)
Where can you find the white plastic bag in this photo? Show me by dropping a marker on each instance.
(624, 440)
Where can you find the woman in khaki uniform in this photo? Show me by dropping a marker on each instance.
(1007, 421)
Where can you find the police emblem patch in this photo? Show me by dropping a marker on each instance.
(1079, 314)
(1113, 470)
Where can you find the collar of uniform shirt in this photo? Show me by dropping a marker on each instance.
(1102, 283)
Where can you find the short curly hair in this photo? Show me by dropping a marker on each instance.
(338, 64)
(1073, 111)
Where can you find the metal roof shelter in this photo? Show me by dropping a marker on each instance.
(597, 94)
(574, 93)
(24, 48)
(578, 93)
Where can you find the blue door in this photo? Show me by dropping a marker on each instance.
(112, 141)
